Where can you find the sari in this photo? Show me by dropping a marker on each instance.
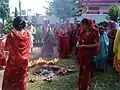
(69, 31)
(116, 63)
(101, 58)
(47, 49)
(111, 35)
(2, 55)
(18, 46)
(64, 48)
(77, 36)
(116, 51)
(86, 55)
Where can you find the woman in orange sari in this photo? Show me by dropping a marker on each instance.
(18, 46)
(88, 46)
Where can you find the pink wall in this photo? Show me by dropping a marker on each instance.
(100, 1)
(102, 8)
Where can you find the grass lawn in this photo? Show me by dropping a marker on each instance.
(101, 81)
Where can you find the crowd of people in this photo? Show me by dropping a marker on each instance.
(93, 44)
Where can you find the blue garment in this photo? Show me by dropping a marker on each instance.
(117, 26)
(103, 53)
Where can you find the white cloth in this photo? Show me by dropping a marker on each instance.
(32, 29)
(31, 38)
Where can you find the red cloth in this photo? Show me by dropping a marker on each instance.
(85, 56)
(77, 36)
(57, 39)
(18, 45)
(112, 31)
(112, 34)
(68, 26)
(2, 55)
(64, 48)
(69, 41)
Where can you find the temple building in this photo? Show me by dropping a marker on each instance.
(97, 6)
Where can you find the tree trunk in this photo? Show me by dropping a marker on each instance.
(3, 21)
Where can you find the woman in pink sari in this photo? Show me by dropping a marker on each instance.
(18, 46)
(88, 46)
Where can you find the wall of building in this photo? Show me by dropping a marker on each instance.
(98, 6)
(97, 17)
(104, 9)
(100, 1)
(95, 9)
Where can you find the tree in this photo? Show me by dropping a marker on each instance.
(114, 12)
(8, 25)
(62, 8)
(4, 9)
(16, 12)
(49, 9)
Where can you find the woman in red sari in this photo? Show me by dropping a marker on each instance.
(111, 35)
(69, 30)
(88, 46)
(18, 46)
(64, 48)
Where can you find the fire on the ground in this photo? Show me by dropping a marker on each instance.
(41, 60)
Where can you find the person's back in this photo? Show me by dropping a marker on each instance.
(18, 46)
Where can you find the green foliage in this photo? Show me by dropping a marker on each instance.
(4, 9)
(62, 8)
(8, 26)
(49, 9)
(38, 33)
(114, 12)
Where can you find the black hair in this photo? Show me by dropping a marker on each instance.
(19, 21)
(85, 21)
(101, 28)
(94, 21)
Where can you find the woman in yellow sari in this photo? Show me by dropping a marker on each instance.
(116, 50)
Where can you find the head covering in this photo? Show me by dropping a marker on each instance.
(112, 25)
(94, 30)
(90, 22)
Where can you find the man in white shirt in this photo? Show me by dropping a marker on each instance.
(32, 31)
(31, 28)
